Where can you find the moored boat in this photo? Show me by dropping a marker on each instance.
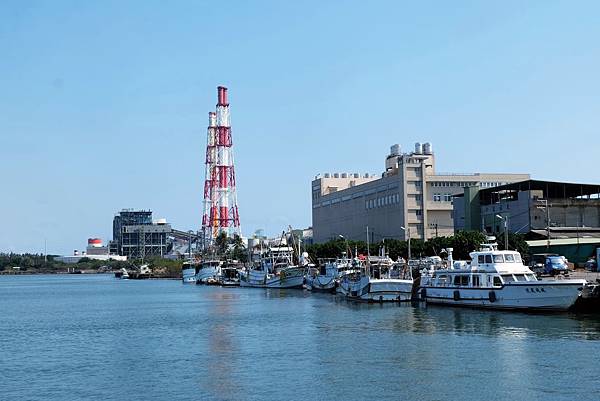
(326, 277)
(208, 271)
(229, 277)
(380, 280)
(188, 272)
(499, 280)
(274, 270)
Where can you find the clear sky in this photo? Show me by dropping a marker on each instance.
(103, 104)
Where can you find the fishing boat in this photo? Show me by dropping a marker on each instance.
(326, 277)
(188, 272)
(380, 280)
(275, 269)
(229, 277)
(208, 271)
(499, 280)
(124, 274)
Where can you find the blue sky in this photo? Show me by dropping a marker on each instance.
(103, 105)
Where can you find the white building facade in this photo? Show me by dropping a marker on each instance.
(408, 197)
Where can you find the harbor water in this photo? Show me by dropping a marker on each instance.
(73, 337)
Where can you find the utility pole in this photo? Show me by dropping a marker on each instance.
(547, 207)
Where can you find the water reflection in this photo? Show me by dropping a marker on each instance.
(435, 319)
(222, 350)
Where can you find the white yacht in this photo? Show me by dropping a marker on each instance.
(380, 281)
(496, 279)
(274, 270)
(188, 272)
(209, 271)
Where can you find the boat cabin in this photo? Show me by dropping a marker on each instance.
(488, 268)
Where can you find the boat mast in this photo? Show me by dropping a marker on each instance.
(368, 264)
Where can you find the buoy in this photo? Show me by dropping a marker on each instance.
(492, 296)
(456, 295)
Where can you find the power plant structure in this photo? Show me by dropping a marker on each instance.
(220, 213)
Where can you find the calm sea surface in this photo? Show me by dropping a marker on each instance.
(93, 337)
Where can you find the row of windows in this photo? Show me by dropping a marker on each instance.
(382, 201)
(452, 184)
(445, 197)
(491, 184)
(465, 184)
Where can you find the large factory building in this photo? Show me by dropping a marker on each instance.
(409, 196)
(135, 235)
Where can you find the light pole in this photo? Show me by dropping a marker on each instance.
(407, 231)
(347, 246)
(505, 220)
(190, 243)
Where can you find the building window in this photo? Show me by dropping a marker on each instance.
(437, 197)
(418, 198)
(417, 183)
(419, 212)
(447, 198)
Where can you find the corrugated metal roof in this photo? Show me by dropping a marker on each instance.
(564, 241)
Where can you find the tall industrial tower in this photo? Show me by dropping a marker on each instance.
(220, 198)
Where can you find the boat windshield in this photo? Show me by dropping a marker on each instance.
(509, 258)
(498, 259)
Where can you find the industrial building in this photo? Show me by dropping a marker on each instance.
(95, 251)
(136, 236)
(408, 199)
(558, 217)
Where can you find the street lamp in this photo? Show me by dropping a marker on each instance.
(505, 220)
(347, 246)
(407, 230)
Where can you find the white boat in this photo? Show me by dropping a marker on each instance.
(274, 270)
(208, 272)
(124, 274)
(188, 272)
(499, 280)
(379, 281)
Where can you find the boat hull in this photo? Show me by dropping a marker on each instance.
(557, 295)
(207, 274)
(377, 290)
(188, 275)
(321, 283)
(288, 278)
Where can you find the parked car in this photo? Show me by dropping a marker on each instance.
(591, 265)
(556, 265)
(538, 262)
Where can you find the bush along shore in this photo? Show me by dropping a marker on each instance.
(463, 242)
(12, 263)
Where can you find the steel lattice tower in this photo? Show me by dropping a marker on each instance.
(220, 198)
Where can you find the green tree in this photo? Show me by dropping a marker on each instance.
(465, 242)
